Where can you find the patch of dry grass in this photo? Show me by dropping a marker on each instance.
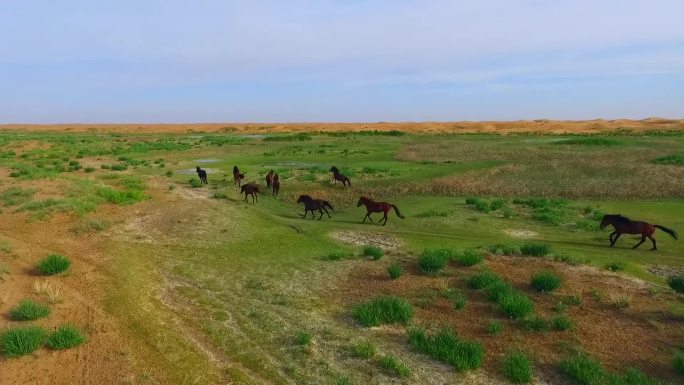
(48, 290)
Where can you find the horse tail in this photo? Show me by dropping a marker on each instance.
(665, 229)
(326, 203)
(396, 211)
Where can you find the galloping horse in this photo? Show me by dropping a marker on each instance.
(377, 207)
(237, 177)
(250, 189)
(624, 225)
(275, 184)
(311, 204)
(202, 175)
(269, 178)
(339, 177)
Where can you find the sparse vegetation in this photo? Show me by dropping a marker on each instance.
(615, 266)
(588, 371)
(91, 225)
(446, 346)
(383, 310)
(561, 322)
(364, 349)
(395, 366)
(54, 264)
(516, 367)
(65, 337)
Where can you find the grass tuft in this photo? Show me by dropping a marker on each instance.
(494, 328)
(433, 261)
(446, 346)
(535, 249)
(676, 282)
(65, 337)
(516, 305)
(364, 349)
(546, 281)
(517, 368)
(383, 310)
(303, 338)
(54, 264)
(394, 365)
(678, 361)
(395, 270)
(374, 252)
(28, 310)
(561, 322)
(615, 266)
(588, 371)
(20, 341)
(469, 258)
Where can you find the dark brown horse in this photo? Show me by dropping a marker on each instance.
(269, 178)
(237, 177)
(276, 184)
(250, 189)
(339, 177)
(202, 174)
(624, 225)
(311, 204)
(377, 207)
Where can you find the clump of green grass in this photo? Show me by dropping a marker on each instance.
(483, 280)
(479, 204)
(546, 281)
(383, 310)
(169, 173)
(65, 337)
(28, 310)
(336, 255)
(674, 159)
(91, 225)
(20, 341)
(119, 197)
(395, 270)
(16, 195)
(364, 349)
(535, 323)
(588, 371)
(89, 169)
(446, 346)
(494, 328)
(374, 252)
(535, 249)
(516, 367)
(561, 322)
(433, 261)
(570, 260)
(195, 183)
(676, 282)
(503, 249)
(303, 338)
(395, 366)
(432, 213)
(458, 299)
(469, 258)
(53, 264)
(678, 361)
(571, 300)
(615, 266)
(589, 141)
(119, 167)
(516, 305)
(220, 195)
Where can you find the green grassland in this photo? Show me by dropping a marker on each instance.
(247, 279)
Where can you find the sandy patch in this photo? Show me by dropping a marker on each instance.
(520, 233)
(385, 241)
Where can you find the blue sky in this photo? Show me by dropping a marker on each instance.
(376, 60)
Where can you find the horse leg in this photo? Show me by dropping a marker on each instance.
(385, 218)
(320, 211)
(610, 237)
(615, 240)
(245, 197)
(326, 211)
(654, 242)
(643, 239)
(305, 212)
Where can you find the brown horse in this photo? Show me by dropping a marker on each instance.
(377, 207)
(311, 204)
(269, 178)
(237, 177)
(624, 225)
(276, 184)
(250, 189)
(339, 177)
(202, 175)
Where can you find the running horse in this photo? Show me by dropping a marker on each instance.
(339, 177)
(269, 178)
(311, 204)
(275, 184)
(624, 225)
(237, 177)
(377, 207)
(250, 189)
(202, 174)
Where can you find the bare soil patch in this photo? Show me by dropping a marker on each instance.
(386, 241)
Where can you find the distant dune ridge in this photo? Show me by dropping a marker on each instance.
(520, 126)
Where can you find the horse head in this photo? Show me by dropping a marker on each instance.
(235, 170)
(334, 169)
(303, 198)
(608, 219)
(362, 200)
(198, 169)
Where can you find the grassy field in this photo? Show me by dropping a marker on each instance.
(211, 289)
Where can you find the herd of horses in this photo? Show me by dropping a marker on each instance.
(620, 223)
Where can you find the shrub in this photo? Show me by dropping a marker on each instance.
(546, 281)
(195, 183)
(20, 341)
(394, 365)
(676, 282)
(383, 310)
(364, 349)
(483, 280)
(494, 328)
(374, 252)
(678, 361)
(303, 338)
(395, 270)
(469, 258)
(561, 322)
(53, 264)
(615, 266)
(28, 310)
(448, 347)
(65, 337)
(516, 305)
(432, 261)
(517, 368)
(535, 249)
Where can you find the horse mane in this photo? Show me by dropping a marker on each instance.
(620, 218)
(334, 169)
